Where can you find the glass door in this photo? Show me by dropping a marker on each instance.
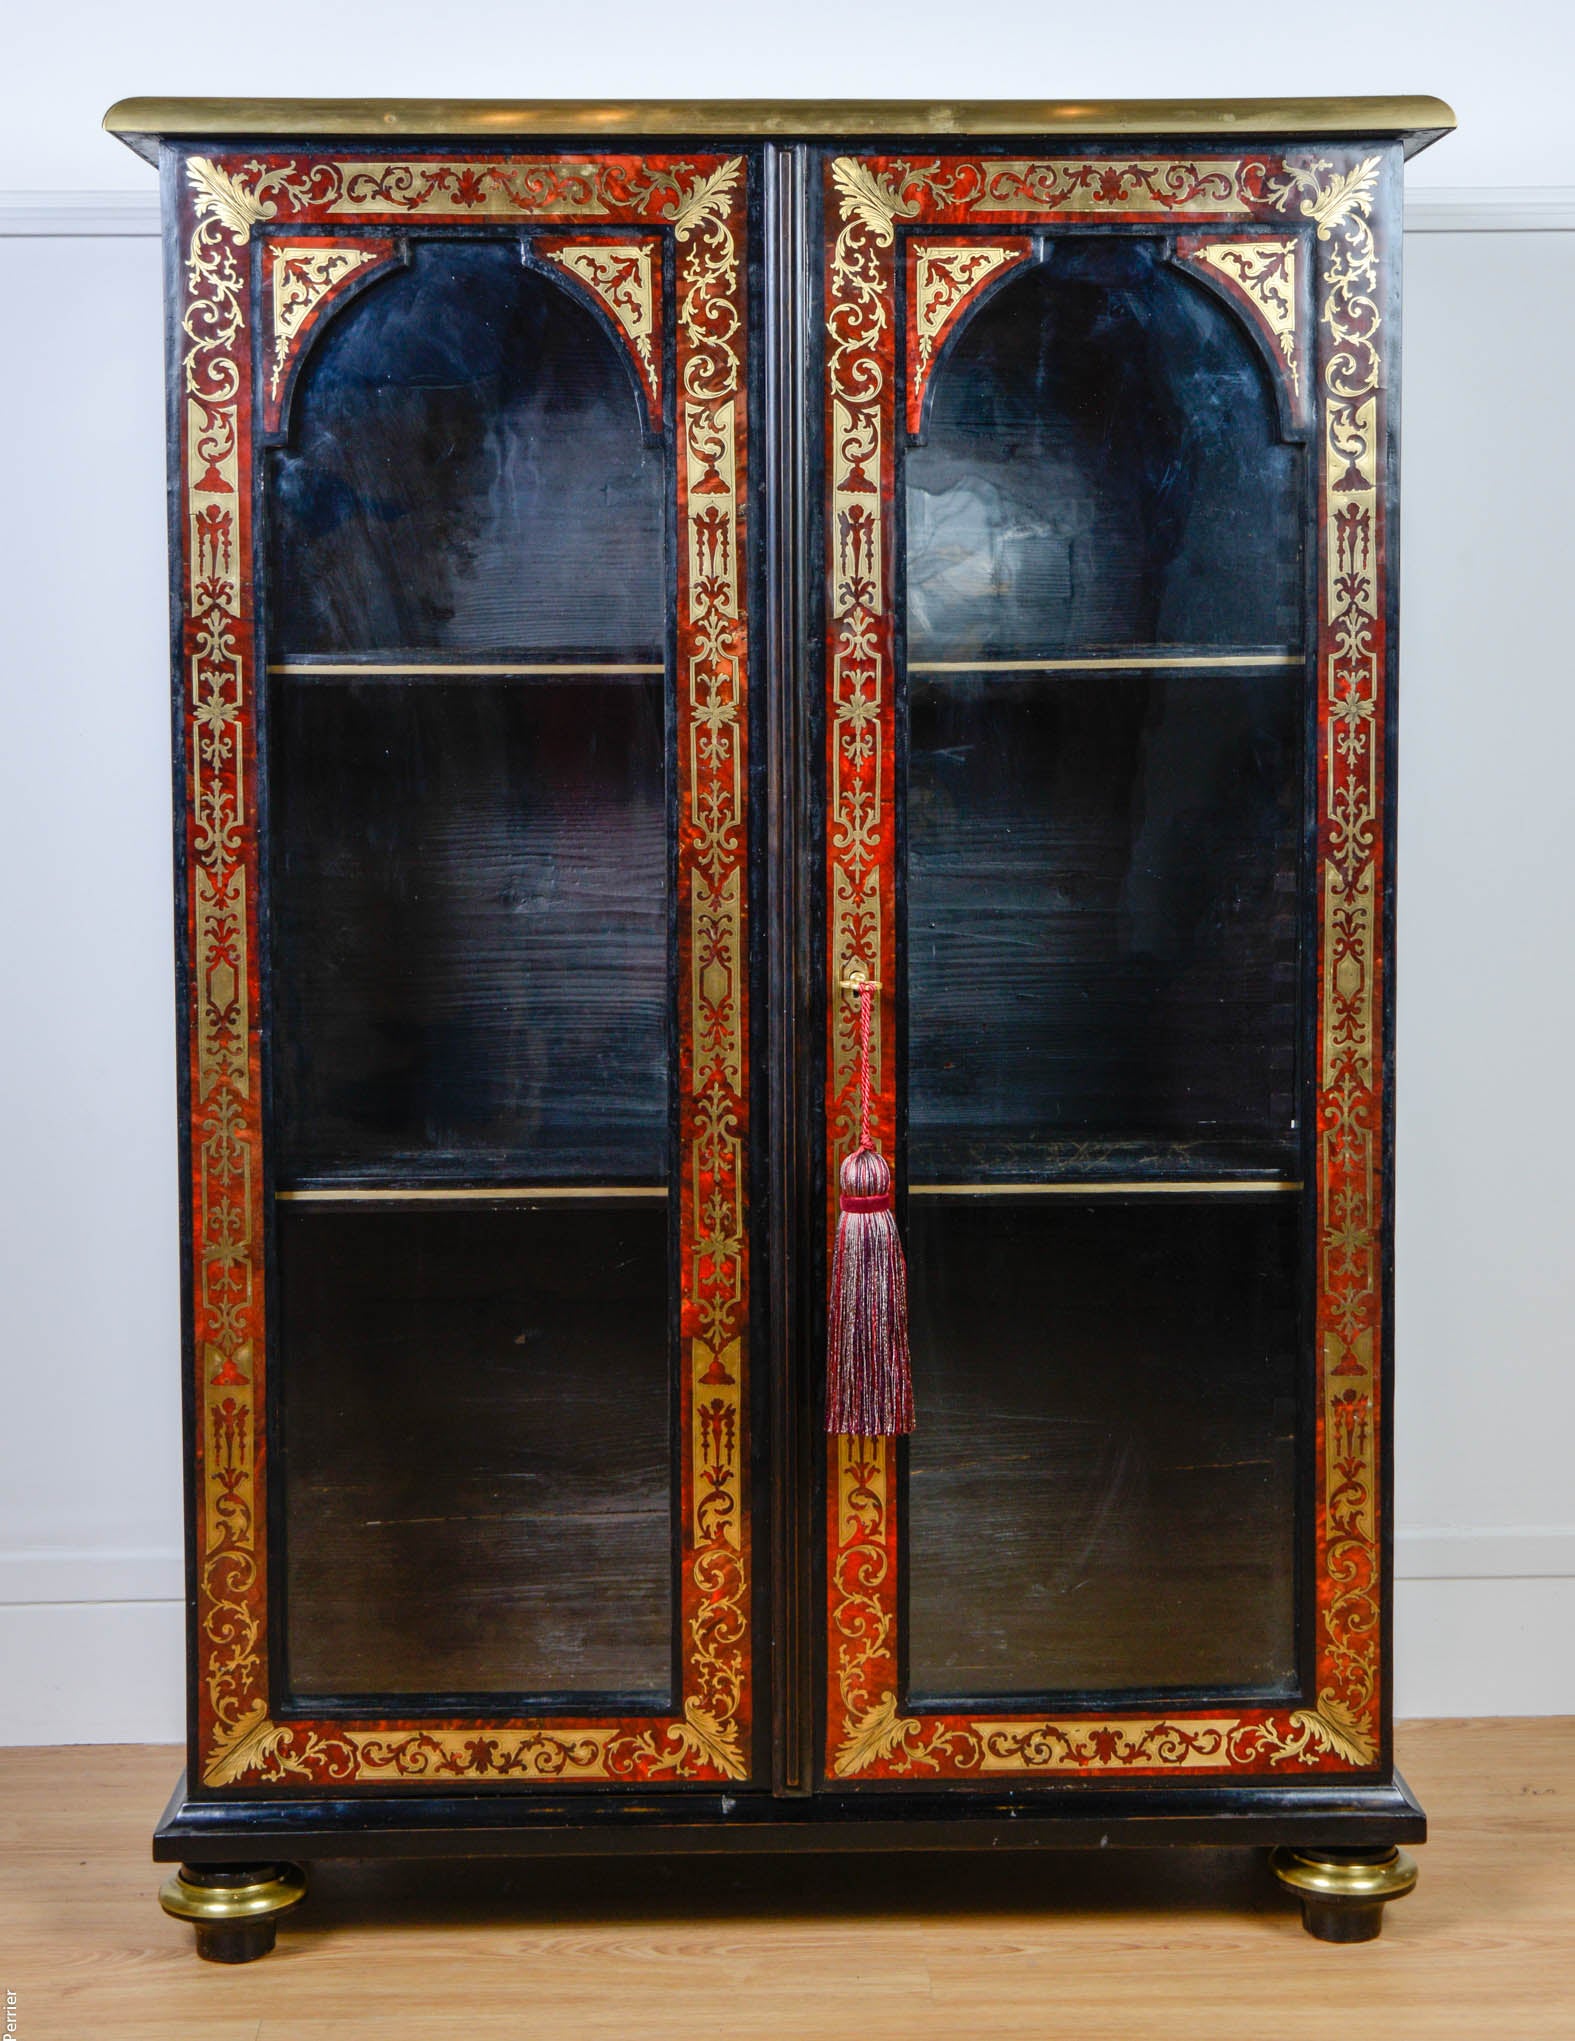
(494, 1105)
(1076, 577)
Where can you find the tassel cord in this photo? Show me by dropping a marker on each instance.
(866, 1082)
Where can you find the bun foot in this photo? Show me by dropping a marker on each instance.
(1344, 1892)
(235, 1908)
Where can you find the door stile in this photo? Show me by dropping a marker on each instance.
(790, 889)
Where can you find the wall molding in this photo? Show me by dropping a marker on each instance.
(1542, 1552)
(1484, 1625)
(80, 1674)
(1491, 209)
(59, 1578)
(54, 214)
(1440, 209)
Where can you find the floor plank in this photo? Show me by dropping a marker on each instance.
(1186, 1945)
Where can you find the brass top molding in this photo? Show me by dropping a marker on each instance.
(144, 122)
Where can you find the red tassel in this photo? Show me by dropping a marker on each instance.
(869, 1379)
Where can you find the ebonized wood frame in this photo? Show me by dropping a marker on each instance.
(1323, 1773)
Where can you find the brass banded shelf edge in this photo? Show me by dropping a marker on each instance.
(492, 1194)
(1277, 662)
(1103, 1187)
(412, 669)
(1421, 117)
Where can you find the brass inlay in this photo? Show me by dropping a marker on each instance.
(946, 278)
(945, 274)
(1145, 660)
(303, 275)
(1105, 1187)
(351, 668)
(1264, 272)
(1351, 1103)
(1075, 187)
(860, 286)
(475, 1194)
(501, 120)
(1089, 1743)
(620, 274)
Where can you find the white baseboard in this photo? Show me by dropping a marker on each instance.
(93, 1672)
(114, 1672)
(29, 1578)
(1441, 209)
(1485, 1647)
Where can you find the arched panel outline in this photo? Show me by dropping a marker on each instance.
(283, 354)
(1273, 314)
(303, 289)
(1011, 252)
(638, 333)
(1286, 369)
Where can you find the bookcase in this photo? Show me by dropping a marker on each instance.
(640, 572)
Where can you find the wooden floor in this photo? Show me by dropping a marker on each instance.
(1184, 1946)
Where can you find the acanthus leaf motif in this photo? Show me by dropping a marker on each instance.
(222, 196)
(873, 200)
(709, 200)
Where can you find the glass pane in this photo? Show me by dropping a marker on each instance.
(1105, 709)
(470, 908)
(1101, 469)
(466, 474)
(476, 1449)
(1101, 915)
(1102, 1485)
(469, 924)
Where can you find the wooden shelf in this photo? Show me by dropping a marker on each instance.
(1104, 1187)
(449, 1194)
(1180, 658)
(383, 668)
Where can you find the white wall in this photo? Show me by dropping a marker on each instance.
(89, 1466)
(1504, 68)
(1485, 1317)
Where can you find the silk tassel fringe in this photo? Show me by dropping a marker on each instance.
(869, 1376)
